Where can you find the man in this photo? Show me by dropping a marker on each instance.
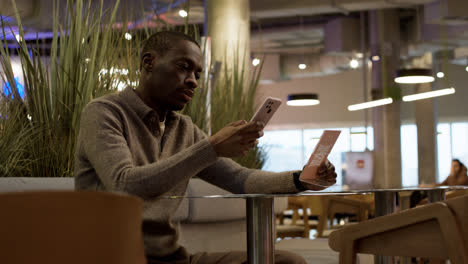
(135, 142)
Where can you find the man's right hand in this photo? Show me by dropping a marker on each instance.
(237, 138)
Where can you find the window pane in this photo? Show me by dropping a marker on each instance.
(460, 141)
(284, 150)
(358, 139)
(370, 138)
(444, 153)
(409, 155)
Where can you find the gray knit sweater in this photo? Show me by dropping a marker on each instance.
(120, 148)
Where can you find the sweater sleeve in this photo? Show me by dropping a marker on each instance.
(103, 143)
(229, 175)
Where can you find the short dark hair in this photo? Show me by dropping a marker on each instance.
(162, 41)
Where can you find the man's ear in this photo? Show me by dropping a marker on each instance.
(147, 61)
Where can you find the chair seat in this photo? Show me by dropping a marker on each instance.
(316, 251)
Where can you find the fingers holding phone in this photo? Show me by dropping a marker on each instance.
(236, 139)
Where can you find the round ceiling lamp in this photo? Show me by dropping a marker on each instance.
(306, 99)
(414, 76)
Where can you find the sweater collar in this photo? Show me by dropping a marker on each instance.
(140, 108)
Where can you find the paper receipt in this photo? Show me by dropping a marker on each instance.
(318, 157)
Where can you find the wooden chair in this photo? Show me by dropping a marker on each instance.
(56, 227)
(300, 224)
(436, 231)
(360, 205)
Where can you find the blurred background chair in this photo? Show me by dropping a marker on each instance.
(304, 214)
(56, 227)
(356, 208)
(437, 231)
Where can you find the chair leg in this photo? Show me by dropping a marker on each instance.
(321, 224)
(348, 255)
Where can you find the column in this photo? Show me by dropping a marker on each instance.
(426, 122)
(227, 22)
(384, 32)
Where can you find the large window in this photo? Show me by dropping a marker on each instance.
(409, 155)
(290, 149)
(444, 150)
(285, 150)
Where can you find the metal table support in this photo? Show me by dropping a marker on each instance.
(385, 203)
(260, 230)
(435, 195)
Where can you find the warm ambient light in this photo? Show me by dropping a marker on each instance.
(302, 66)
(183, 13)
(370, 104)
(128, 36)
(255, 62)
(431, 94)
(376, 58)
(303, 99)
(354, 64)
(414, 76)
(440, 75)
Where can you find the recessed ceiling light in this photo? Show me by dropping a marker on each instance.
(255, 62)
(354, 63)
(302, 66)
(183, 13)
(440, 75)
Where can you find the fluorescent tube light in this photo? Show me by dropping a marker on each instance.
(431, 94)
(370, 104)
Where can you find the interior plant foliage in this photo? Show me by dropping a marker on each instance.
(38, 132)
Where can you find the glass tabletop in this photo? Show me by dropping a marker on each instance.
(332, 190)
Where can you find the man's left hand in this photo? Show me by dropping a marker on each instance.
(326, 177)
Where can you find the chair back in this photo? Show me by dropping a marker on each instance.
(459, 208)
(73, 227)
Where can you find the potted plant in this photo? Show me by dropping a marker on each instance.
(38, 132)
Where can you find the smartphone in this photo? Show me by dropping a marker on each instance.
(318, 157)
(266, 111)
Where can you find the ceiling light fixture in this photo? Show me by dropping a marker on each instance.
(419, 96)
(183, 13)
(370, 104)
(306, 99)
(255, 62)
(440, 75)
(354, 63)
(466, 69)
(414, 76)
(302, 66)
(376, 58)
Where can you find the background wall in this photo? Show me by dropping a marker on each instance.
(337, 91)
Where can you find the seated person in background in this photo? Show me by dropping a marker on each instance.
(458, 176)
(135, 142)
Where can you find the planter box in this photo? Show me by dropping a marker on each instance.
(14, 184)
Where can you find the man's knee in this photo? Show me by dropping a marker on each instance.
(286, 257)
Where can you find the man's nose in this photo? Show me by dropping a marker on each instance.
(191, 81)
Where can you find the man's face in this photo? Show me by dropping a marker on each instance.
(174, 75)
